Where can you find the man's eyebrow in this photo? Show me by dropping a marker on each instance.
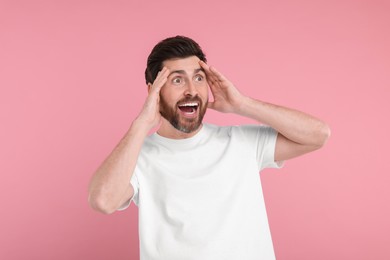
(183, 72)
(200, 69)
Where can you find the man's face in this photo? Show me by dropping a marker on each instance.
(184, 97)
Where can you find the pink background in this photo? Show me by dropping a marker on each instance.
(71, 78)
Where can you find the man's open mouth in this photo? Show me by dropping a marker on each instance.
(189, 107)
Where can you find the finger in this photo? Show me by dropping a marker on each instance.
(218, 75)
(161, 74)
(209, 73)
(160, 80)
(204, 65)
(212, 82)
(159, 85)
(212, 85)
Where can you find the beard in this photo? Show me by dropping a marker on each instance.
(186, 125)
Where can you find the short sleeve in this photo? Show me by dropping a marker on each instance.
(134, 182)
(266, 143)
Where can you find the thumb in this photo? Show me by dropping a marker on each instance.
(211, 105)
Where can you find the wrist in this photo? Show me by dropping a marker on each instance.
(242, 105)
(140, 126)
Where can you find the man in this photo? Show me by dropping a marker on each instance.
(197, 185)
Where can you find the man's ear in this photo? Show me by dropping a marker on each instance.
(149, 87)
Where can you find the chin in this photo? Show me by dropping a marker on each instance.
(188, 129)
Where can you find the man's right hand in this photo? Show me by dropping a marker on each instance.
(150, 115)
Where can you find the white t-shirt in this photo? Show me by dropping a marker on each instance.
(201, 198)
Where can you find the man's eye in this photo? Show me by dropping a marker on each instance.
(199, 78)
(176, 80)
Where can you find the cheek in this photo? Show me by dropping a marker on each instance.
(169, 95)
(204, 91)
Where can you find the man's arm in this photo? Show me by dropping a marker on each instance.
(298, 133)
(110, 185)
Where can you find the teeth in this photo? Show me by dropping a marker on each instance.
(189, 105)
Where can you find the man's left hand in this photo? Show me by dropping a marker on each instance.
(227, 98)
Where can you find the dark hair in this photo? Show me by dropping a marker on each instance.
(170, 48)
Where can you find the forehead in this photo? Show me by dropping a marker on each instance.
(188, 64)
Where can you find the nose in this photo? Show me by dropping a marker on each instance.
(190, 90)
